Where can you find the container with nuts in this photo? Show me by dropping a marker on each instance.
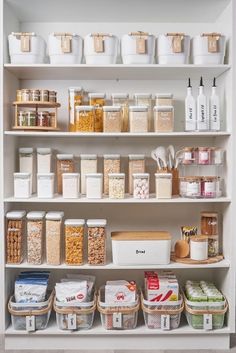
(65, 164)
(15, 234)
(35, 237)
(97, 100)
(111, 165)
(112, 119)
(96, 241)
(116, 185)
(74, 241)
(53, 237)
(141, 185)
(84, 119)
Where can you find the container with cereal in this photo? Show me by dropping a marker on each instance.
(35, 227)
(74, 241)
(97, 100)
(96, 241)
(15, 236)
(84, 119)
(53, 237)
(111, 164)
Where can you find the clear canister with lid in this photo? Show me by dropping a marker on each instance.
(111, 164)
(85, 118)
(97, 100)
(43, 119)
(35, 95)
(75, 99)
(165, 99)
(53, 237)
(116, 185)
(22, 185)
(210, 228)
(189, 155)
(44, 95)
(136, 165)
(96, 241)
(21, 118)
(74, 241)
(94, 183)
(163, 118)
(112, 119)
(145, 99)
(163, 185)
(192, 187)
(30, 118)
(217, 155)
(52, 97)
(122, 100)
(44, 160)
(204, 155)
(88, 164)
(199, 248)
(35, 231)
(208, 187)
(138, 119)
(70, 185)
(19, 95)
(65, 164)
(25, 95)
(15, 229)
(141, 185)
(27, 164)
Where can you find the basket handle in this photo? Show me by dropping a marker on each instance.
(162, 311)
(68, 310)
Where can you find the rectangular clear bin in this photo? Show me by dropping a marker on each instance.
(164, 316)
(37, 313)
(76, 316)
(121, 316)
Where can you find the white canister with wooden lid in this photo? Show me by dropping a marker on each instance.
(199, 248)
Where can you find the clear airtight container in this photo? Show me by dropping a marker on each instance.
(136, 165)
(65, 164)
(70, 185)
(75, 99)
(26, 163)
(163, 118)
(141, 185)
(74, 241)
(97, 100)
(138, 119)
(112, 119)
(44, 160)
(85, 117)
(96, 241)
(94, 183)
(53, 237)
(145, 99)
(163, 185)
(35, 231)
(88, 164)
(15, 236)
(116, 185)
(45, 185)
(122, 100)
(22, 185)
(165, 99)
(111, 164)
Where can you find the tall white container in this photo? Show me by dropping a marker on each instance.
(138, 48)
(65, 48)
(100, 49)
(173, 48)
(208, 48)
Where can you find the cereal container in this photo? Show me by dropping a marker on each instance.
(116, 185)
(53, 238)
(163, 185)
(97, 100)
(96, 241)
(70, 185)
(65, 48)
(141, 185)
(122, 100)
(75, 99)
(85, 117)
(88, 164)
(14, 236)
(22, 185)
(100, 48)
(45, 185)
(112, 119)
(65, 164)
(74, 241)
(136, 165)
(145, 99)
(138, 119)
(35, 228)
(111, 164)
(138, 48)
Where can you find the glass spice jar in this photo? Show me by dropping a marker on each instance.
(122, 100)
(204, 155)
(44, 95)
(217, 155)
(111, 164)
(84, 121)
(96, 241)
(52, 119)
(208, 187)
(75, 99)
(193, 187)
(188, 155)
(65, 164)
(25, 95)
(136, 165)
(31, 118)
(52, 97)
(43, 119)
(74, 241)
(112, 119)
(19, 95)
(35, 95)
(97, 100)
(21, 118)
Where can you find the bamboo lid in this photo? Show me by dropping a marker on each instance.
(137, 235)
(200, 238)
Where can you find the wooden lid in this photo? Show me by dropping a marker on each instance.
(199, 238)
(209, 214)
(143, 235)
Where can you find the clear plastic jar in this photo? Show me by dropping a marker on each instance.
(94, 183)
(97, 100)
(35, 223)
(45, 185)
(88, 164)
(96, 241)
(163, 118)
(141, 185)
(122, 100)
(65, 164)
(74, 241)
(26, 163)
(15, 228)
(165, 99)
(163, 185)
(112, 119)
(84, 121)
(70, 185)
(117, 185)
(138, 119)
(213, 245)
(44, 160)
(22, 185)
(208, 187)
(136, 165)
(145, 99)
(189, 155)
(217, 155)
(53, 237)
(204, 155)
(111, 164)
(192, 187)
(75, 99)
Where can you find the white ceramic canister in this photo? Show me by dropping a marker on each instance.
(65, 48)
(199, 248)
(100, 49)
(138, 48)
(173, 48)
(94, 183)
(208, 48)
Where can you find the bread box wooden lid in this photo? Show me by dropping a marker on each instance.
(141, 235)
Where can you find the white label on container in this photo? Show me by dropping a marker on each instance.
(117, 320)
(193, 189)
(207, 321)
(209, 186)
(187, 156)
(30, 323)
(71, 323)
(165, 322)
(203, 156)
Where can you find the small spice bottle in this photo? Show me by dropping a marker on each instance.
(31, 118)
(52, 97)
(165, 99)
(88, 164)
(22, 185)
(19, 95)
(204, 155)
(25, 95)
(53, 237)
(84, 121)
(136, 165)
(15, 228)
(141, 185)
(94, 185)
(111, 164)
(97, 100)
(44, 95)
(112, 119)
(188, 155)
(199, 248)
(193, 187)
(208, 187)
(163, 118)
(35, 225)
(43, 119)
(35, 95)
(138, 119)
(74, 241)
(122, 100)
(163, 185)
(96, 241)
(70, 185)
(217, 155)
(65, 164)
(75, 98)
(45, 185)
(21, 118)
(116, 185)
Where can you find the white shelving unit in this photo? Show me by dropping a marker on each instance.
(155, 16)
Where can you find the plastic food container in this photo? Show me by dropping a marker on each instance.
(96, 241)
(138, 48)
(122, 100)
(44, 160)
(97, 100)
(70, 185)
(30, 316)
(165, 99)
(85, 118)
(75, 98)
(209, 187)
(94, 183)
(15, 236)
(112, 119)
(74, 241)
(163, 118)
(111, 164)
(136, 165)
(209, 48)
(138, 119)
(45, 185)
(163, 185)
(190, 187)
(141, 185)
(189, 155)
(145, 99)
(121, 316)
(26, 48)
(26, 163)
(53, 237)
(173, 48)
(116, 185)
(65, 48)
(100, 49)
(35, 228)
(88, 164)
(65, 164)
(141, 248)
(22, 185)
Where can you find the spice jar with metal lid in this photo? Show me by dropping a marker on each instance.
(74, 241)
(122, 100)
(52, 119)
(35, 237)
(204, 155)
(84, 118)
(208, 187)
(31, 118)
(65, 164)
(21, 118)
(199, 248)
(112, 119)
(43, 119)
(15, 231)
(25, 95)
(96, 241)
(116, 185)
(193, 187)
(35, 95)
(44, 95)
(163, 118)
(52, 97)
(75, 99)
(136, 165)
(189, 155)
(97, 100)
(138, 119)
(111, 164)
(19, 95)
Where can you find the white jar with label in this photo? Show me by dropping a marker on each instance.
(88, 164)
(209, 48)
(100, 48)
(26, 163)
(22, 185)
(138, 119)
(163, 185)
(138, 48)
(163, 118)
(44, 160)
(65, 48)
(94, 183)
(70, 185)
(146, 100)
(173, 48)
(199, 248)
(45, 185)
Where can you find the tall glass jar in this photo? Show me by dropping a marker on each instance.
(74, 241)
(97, 100)
(35, 237)
(65, 164)
(122, 100)
(75, 99)
(84, 118)
(136, 165)
(111, 165)
(88, 165)
(53, 237)
(96, 241)
(145, 99)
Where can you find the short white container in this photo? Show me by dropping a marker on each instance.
(100, 49)
(163, 185)
(26, 163)
(138, 119)
(141, 248)
(22, 185)
(44, 160)
(65, 48)
(208, 48)
(173, 48)
(26, 48)
(88, 164)
(70, 185)
(199, 248)
(94, 183)
(138, 48)
(45, 185)
(163, 118)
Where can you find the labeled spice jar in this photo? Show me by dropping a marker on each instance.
(141, 185)
(35, 222)
(74, 241)
(112, 119)
(70, 185)
(65, 164)
(136, 165)
(19, 95)
(53, 237)
(204, 155)
(189, 156)
(138, 119)
(35, 95)
(208, 187)
(116, 185)
(30, 118)
(75, 99)
(84, 120)
(21, 118)
(165, 99)
(45, 185)
(122, 100)
(213, 245)
(25, 95)
(44, 95)
(199, 248)
(22, 185)
(182, 186)
(97, 100)
(209, 223)
(26, 163)
(163, 118)
(163, 185)
(44, 160)
(96, 241)
(217, 155)
(52, 119)
(94, 185)
(145, 99)
(88, 164)
(43, 119)
(111, 164)
(193, 187)
(15, 236)
(52, 97)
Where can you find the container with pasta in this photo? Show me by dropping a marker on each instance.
(74, 241)
(97, 100)
(75, 99)
(84, 120)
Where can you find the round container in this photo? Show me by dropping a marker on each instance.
(138, 119)
(31, 118)
(112, 119)
(122, 100)
(199, 248)
(188, 155)
(35, 229)
(163, 118)
(43, 119)
(75, 98)
(52, 96)
(111, 164)
(138, 48)
(116, 185)
(193, 187)
(85, 118)
(44, 95)
(173, 48)
(204, 155)
(209, 223)
(96, 241)
(100, 49)
(35, 95)
(97, 100)
(141, 185)
(208, 187)
(74, 241)
(209, 48)
(163, 185)
(94, 183)
(25, 95)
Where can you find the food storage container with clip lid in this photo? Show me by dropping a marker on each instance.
(96, 241)
(136, 165)
(65, 164)
(111, 164)
(163, 185)
(84, 118)
(163, 118)
(112, 119)
(141, 185)
(75, 95)
(88, 164)
(138, 119)
(97, 100)
(44, 160)
(15, 236)
(116, 185)
(208, 48)
(70, 185)
(74, 241)
(35, 228)
(22, 185)
(65, 48)
(122, 100)
(100, 48)
(94, 183)
(173, 48)
(165, 99)
(45, 185)
(138, 48)
(53, 237)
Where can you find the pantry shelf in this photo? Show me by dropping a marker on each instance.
(115, 72)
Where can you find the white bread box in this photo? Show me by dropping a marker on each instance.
(138, 48)
(173, 48)
(26, 48)
(208, 48)
(65, 48)
(141, 248)
(100, 49)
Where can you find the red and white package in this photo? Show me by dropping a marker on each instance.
(120, 292)
(161, 288)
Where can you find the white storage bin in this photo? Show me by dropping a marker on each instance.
(26, 48)
(65, 48)
(173, 48)
(138, 48)
(141, 248)
(100, 49)
(208, 48)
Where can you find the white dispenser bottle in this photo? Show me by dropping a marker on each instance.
(190, 110)
(202, 118)
(214, 108)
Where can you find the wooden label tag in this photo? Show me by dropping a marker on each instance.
(66, 42)
(140, 45)
(177, 44)
(98, 44)
(25, 43)
(213, 44)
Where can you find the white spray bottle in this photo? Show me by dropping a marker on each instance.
(202, 118)
(190, 110)
(214, 108)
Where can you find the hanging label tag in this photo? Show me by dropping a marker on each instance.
(98, 44)
(213, 46)
(30, 323)
(66, 44)
(207, 321)
(177, 44)
(140, 45)
(71, 321)
(165, 322)
(117, 320)
(25, 43)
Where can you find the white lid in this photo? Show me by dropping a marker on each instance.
(86, 108)
(164, 95)
(44, 150)
(163, 175)
(70, 175)
(111, 156)
(26, 150)
(88, 156)
(97, 95)
(116, 175)
(143, 95)
(15, 214)
(74, 222)
(141, 175)
(120, 95)
(112, 108)
(136, 156)
(22, 175)
(96, 222)
(94, 175)
(73, 89)
(45, 175)
(163, 108)
(138, 108)
(56, 216)
(35, 215)
(65, 156)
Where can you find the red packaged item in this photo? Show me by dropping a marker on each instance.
(161, 288)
